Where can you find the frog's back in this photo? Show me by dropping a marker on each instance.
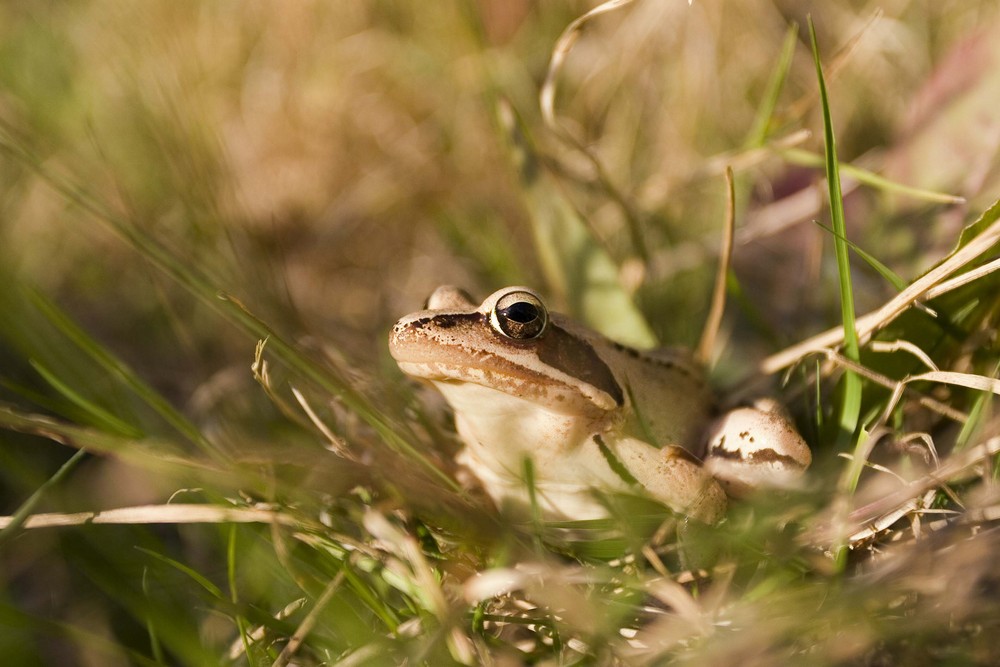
(668, 394)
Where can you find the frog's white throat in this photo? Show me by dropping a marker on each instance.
(506, 428)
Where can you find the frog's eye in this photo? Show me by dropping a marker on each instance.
(520, 315)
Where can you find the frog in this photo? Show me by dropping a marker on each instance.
(555, 416)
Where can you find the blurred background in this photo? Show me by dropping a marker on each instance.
(327, 164)
(338, 162)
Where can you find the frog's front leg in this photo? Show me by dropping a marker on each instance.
(670, 475)
(756, 447)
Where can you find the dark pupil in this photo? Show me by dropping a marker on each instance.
(520, 312)
(521, 320)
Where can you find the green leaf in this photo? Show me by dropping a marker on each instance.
(989, 216)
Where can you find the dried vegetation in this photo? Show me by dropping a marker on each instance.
(181, 181)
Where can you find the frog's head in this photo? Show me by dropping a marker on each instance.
(510, 343)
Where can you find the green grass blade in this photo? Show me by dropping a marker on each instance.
(805, 158)
(616, 465)
(94, 412)
(890, 276)
(195, 576)
(377, 604)
(117, 368)
(154, 637)
(45, 401)
(979, 416)
(150, 453)
(851, 406)
(757, 135)
(234, 596)
(850, 387)
(29, 505)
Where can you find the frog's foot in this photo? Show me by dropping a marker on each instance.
(756, 447)
(674, 477)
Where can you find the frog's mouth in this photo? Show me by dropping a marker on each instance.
(557, 395)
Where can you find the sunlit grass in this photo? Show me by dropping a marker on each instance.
(212, 214)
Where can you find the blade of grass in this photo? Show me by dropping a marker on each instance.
(149, 453)
(330, 381)
(754, 144)
(28, 506)
(978, 416)
(234, 596)
(528, 472)
(193, 574)
(757, 135)
(309, 622)
(963, 279)
(154, 637)
(116, 367)
(883, 270)
(186, 514)
(851, 407)
(94, 412)
(40, 400)
(805, 158)
(371, 599)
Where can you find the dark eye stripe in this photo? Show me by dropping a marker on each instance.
(578, 359)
